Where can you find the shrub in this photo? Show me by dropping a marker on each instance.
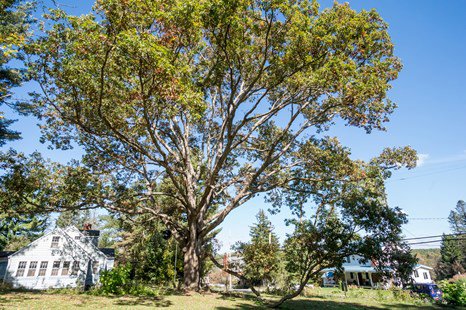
(114, 281)
(454, 293)
(401, 295)
(5, 287)
(117, 282)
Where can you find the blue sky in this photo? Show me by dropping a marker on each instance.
(429, 38)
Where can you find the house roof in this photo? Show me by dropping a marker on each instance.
(90, 232)
(5, 253)
(84, 233)
(352, 269)
(57, 230)
(103, 251)
(109, 252)
(418, 266)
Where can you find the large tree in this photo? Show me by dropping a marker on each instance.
(15, 19)
(209, 103)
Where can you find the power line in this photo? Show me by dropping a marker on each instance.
(436, 241)
(404, 229)
(426, 174)
(437, 236)
(428, 218)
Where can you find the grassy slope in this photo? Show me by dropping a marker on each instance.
(318, 299)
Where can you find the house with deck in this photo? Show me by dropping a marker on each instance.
(62, 258)
(356, 271)
(363, 273)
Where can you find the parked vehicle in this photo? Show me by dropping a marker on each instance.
(431, 290)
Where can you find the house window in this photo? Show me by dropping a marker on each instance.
(75, 269)
(426, 276)
(43, 268)
(416, 274)
(55, 268)
(351, 275)
(32, 269)
(348, 260)
(95, 267)
(66, 268)
(55, 241)
(21, 269)
(367, 275)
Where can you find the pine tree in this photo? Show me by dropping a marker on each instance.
(149, 250)
(453, 248)
(261, 254)
(457, 218)
(17, 231)
(75, 218)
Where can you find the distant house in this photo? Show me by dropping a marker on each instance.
(362, 273)
(421, 274)
(62, 258)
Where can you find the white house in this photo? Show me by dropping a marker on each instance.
(357, 271)
(421, 274)
(363, 273)
(62, 258)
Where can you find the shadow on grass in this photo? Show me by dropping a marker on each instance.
(18, 296)
(143, 301)
(296, 304)
(15, 297)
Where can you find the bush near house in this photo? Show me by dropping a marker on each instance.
(454, 291)
(117, 281)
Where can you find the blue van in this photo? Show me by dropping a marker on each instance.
(431, 289)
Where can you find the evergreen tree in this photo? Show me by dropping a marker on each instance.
(15, 20)
(17, 231)
(76, 218)
(149, 248)
(457, 218)
(453, 248)
(261, 254)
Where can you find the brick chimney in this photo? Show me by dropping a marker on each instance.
(90, 234)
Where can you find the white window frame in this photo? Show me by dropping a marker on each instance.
(55, 270)
(75, 267)
(43, 268)
(32, 268)
(66, 267)
(55, 242)
(21, 268)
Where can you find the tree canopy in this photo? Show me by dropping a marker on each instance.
(188, 109)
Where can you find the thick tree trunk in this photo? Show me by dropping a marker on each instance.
(192, 261)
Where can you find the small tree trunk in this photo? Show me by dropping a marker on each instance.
(192, 262)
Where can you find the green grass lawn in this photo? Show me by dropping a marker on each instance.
(316, 299)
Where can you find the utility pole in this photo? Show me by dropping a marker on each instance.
(176, 254)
